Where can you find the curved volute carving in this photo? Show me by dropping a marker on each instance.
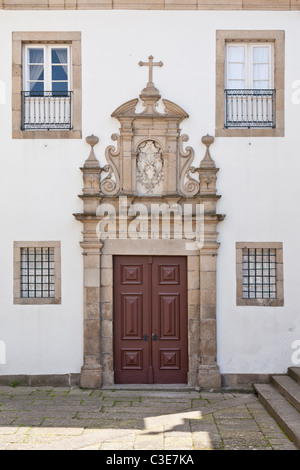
(190, 187)
(110, 186)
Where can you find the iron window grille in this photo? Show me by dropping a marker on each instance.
(250, 108)
(46, 110)
(259, 273)
(37, 273)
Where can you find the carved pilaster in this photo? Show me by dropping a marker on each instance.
(91, 372)
(208, 372)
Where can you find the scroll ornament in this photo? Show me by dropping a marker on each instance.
(110, 186)
(187, 184)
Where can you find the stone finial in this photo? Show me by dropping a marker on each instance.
(207, 161)
(150, 95)
(92, 161)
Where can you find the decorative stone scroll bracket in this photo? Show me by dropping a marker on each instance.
(190, 187)
(207, 171)
(110, 186)
(92, 171)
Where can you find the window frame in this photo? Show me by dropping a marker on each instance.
(18, 299)
(47, 64)
(19, 41)
(278, 301)
(249, 46)
(277, 39)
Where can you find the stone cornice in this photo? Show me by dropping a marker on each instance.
(274, 5)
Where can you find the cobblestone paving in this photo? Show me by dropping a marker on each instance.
(74, 419)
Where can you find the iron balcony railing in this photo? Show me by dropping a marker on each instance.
(47, 110)
(250, 108)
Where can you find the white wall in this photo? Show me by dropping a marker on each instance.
(40, 179)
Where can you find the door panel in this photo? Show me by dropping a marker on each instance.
(131, 319)
(169, 319)
(150, 319)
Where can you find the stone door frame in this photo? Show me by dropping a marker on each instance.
(97, 370)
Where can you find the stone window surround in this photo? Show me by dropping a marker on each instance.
(18, 40)
(240, 301)
(278, 39)
(18, 300)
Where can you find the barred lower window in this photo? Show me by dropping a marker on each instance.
(259, 273)
(37, 273)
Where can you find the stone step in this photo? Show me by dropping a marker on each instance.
(294, 372)
(282, 411)
(288, 388)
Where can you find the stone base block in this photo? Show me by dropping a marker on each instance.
(91, 377)
(209, 377)
(45, 380)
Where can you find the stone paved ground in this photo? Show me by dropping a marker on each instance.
(73, 419)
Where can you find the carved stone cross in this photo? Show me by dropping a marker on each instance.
(151, 64)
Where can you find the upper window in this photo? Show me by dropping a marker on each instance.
(47, 69)
(249, 66)
(249, 93)
(47, 95)
(46, 87)
(250, 83)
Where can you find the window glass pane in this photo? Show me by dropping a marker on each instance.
(36, 87)
(261, 72)
(261, 55)
(236, 67)
(37, 284)
(59, 72)
(261, 85)
(36, 56)
(236, 53)
(259, 281)
(236, 71)
(36, 72)
(236, 85)
(59, 56)
(60, 87)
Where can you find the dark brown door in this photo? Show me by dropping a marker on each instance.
(150, 320)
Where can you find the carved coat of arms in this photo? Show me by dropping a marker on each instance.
(149, 166)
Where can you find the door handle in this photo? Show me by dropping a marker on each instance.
(155, 337)
(145, 338)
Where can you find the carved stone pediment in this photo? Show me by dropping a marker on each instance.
(169, 171)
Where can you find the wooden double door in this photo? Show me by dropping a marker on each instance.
(150, 320)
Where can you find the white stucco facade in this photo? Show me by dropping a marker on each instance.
(258, 178)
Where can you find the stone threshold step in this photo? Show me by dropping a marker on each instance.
(282, 411)
(288, 388)
(152, 387)
(294, 373)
